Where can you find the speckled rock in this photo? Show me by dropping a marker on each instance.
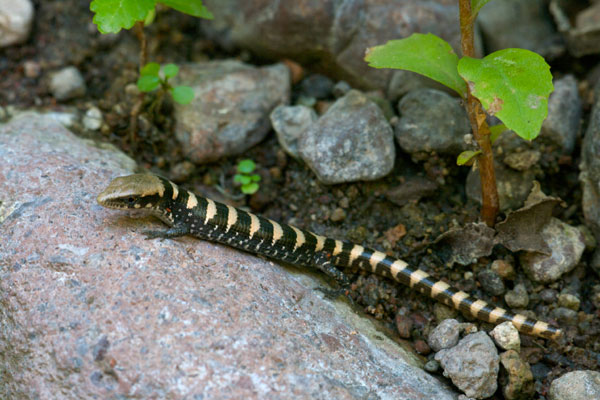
(67, 84)
(523, 24)
(92, 310)
(561, 127)
(472, 365)
(516, 378)
(576, 385)
(16, 17)
(518, 297)
(431, 121)
(506, 336)
(329, 33)
(351, 142)
(590, 174)
(491, 282)
(445, 335)
(230, 112)
(566, 244)
(289, 123)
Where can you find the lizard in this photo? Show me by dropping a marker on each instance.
(188, 214)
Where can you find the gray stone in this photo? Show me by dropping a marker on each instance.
(576, 385)
(566, 244)
(569, 301)
(518, 297)
(329, 33)
(91, 309)
(230, 112)
(523, 24)
(472, 365)
(506, 336)
(584, 36)
(564, 316)
(561, 127)
(92, 119)
(431, 121)
(67, 84)
(289, 123)
(352, 141)
(15, 21)
(445, 335)
(491, 282)
(522, 160)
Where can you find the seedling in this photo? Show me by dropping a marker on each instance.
(511, 84)
(113, 15)
(152, 77)
(246, 178)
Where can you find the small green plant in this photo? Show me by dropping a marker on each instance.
(153, 77)
(511, 84)
(246, 178)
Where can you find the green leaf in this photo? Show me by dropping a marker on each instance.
(246, 166)
(476, 6)
(191, 7)
(148, 83)
(150, 69)
(182, 94)
(243, 179)
(113, 15)
(250, 188)
(170, 70)
(496, 131)
(255, 177)
(513, 85)
(466, 157)
(427, 55)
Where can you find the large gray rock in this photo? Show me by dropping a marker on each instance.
(431, 121)
(331, 35)
(90, 309)
(352, 141)
(290, 123)
(561, 128)
(590, 168)
(230, 112)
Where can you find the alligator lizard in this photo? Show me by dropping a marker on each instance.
(188, 214)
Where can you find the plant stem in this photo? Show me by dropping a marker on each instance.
(481, 130)
(137, 107)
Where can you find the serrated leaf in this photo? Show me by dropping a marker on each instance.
(243, 179)
(513, 85)
(466, 157)
(246, 166)
(191, 7)
(148, 83)
(496, 131)
(170, 70)
(476, 6)
(425, 54)
(150, 69)
(250, 188)
(114, 15)
(182, 94)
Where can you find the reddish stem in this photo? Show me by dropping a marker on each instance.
(481, 130)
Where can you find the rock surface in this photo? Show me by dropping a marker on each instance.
(230, 112)
(576, 385)
(561, 127)
(516, 378)
(472, 365)
(431, 121)
(15, 21)
(90, 309)
(330, 35)
(289, 123)
(352, 141)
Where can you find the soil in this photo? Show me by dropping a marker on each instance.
(63, 34)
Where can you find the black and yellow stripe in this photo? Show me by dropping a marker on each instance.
(187, 213)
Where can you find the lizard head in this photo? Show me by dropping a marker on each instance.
(133, 192)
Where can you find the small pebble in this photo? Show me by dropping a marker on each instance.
(32, 69)
(442, 312)
(569, 301)
(431, 366)
(445, 335)
(491, 282)
(67, 83)
(564, 316)
(338, 215)
(340, 89)
(421, 347)
(344, 202)
(92, 120)
(182, 171)
(548, 296)
(506, 336)
(503, 268)
(518, 297)
(404, 325)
